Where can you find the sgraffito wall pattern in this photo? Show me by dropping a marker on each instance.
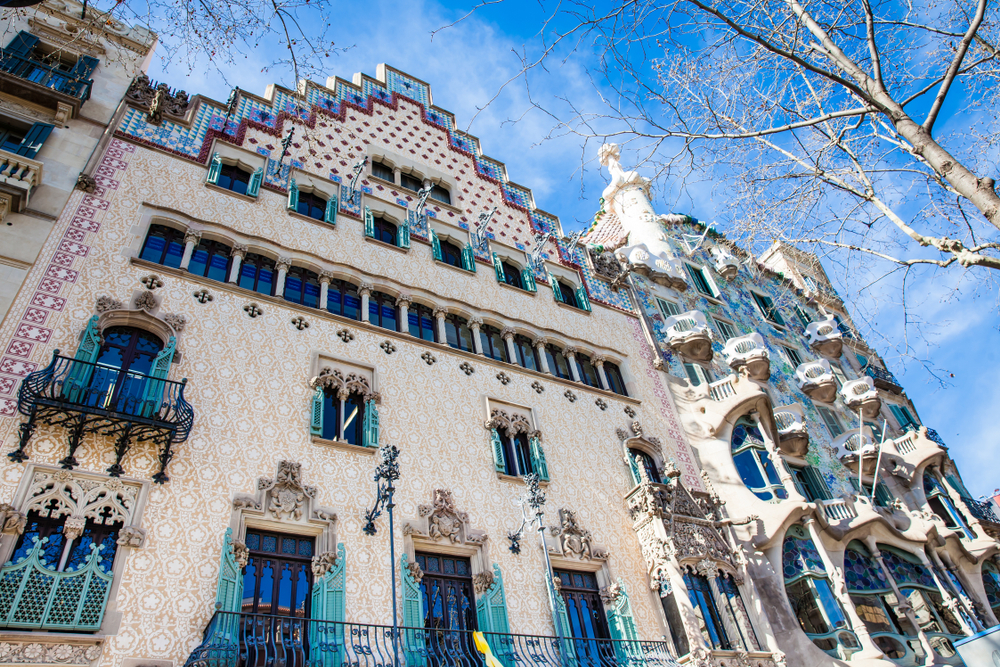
(248, 382)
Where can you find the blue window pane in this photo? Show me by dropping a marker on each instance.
(199, 258)
(352, 306)
(218, 268)
(175, 252)
(264, 281)
(153, 250)
(746, 464)
(311, 297)
(829, 602)
(248, 276)
(293, 290)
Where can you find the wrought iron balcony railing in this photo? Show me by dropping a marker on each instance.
(247, 640)
(883, 378)
(982, 510)
(87, 397)
(44, 74)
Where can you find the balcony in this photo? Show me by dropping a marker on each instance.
(793, 436)
(825, 338)
(725, 264)
(87, 397)
(659, 267)
(41, 83)
(689, 335)
(18, 178)
(816, 380)
(984, 510)
(248, 640)
(861, 396)
(883, 379)
(749, 352)
(858, 449)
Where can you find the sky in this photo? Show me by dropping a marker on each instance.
(468, 63)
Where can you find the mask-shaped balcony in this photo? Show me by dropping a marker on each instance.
(749, 352)
(659, 267)
(793, 436)
(816, 380)
(856, 449)
(825, 338)
(861, 396)
(725, 264)
(688, 334)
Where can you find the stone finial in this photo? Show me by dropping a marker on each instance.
(598, 359)
(145, 301)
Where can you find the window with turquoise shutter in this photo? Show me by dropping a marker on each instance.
(468, 258)
(329, 593)
(436, 247)
(256, 178)
(491, 608)
(414, 636)
(344, 411)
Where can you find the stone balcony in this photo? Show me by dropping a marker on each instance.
(749, 352)
(793, 436)
(689, 335)
(910, 450)
(857, 449)
(825, 338)
(816, 380)
(725, 264)
(659, 267)
(861, 396)
(19, 177)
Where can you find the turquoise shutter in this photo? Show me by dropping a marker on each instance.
(214, 169)
(153, 395)
(414, 647)
(370, 425)
(468, 259)
(555, 288)
(80, 374)
(22, 44)
(404, 235)
(582, 299)
(816, 482)
(622, 626)
(633, 465)
(491, 612)
(538, 459)
(84, 67)
(561, 619)
(369, 223)
(229, 593)
(498, 267)
(499, 462)
(435, 246)
(332, 206)
(34, 139)
(253, 188)
(293, 196)
(528, 278)
(882, 496)
(316, 413)
(326, 640)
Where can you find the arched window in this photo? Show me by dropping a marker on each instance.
(440, 194)
(211, 260)
(302, 287)
(345, 410)
(342, 298)
(512, 275)
(410, 182)
(312, 205)
(231, 177)
(615, 381)
(517, 450)
(383, 171)
(558, 364)
(812, 599)
(991, 582)
(526, 353)
(640, 459)
(125, 363)
(451, 254)
(457, 333)
(420, 319)
(257, 273)
(382, 311)
(941, 504)
(492, 343)
(384, 231)
(754, 463)
(588, 373)
(164, 245)
(567, 294)
(67, 554)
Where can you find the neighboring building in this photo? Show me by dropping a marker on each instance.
(194, 425)
(62, 77)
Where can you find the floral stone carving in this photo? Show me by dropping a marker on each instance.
(47, 651)
(442, 520)
(574, 540)
(284, 497)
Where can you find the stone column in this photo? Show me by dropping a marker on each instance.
(476, 323)
(984, 611)
(904, 603)
(598, 361)
(786, 477)
(439, 314)
(365, 290)
(508, 338)
(570, 354)
(282, 266)
(239, 252)
(403, 302)
(343, 395)
(951, 597)
(324, 288)
(708, 569)
(839, 585)
(543, 361)
(191, 239)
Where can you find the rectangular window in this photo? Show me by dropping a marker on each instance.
(810, 483)
(831, 420)
(726, 329)
(668, 308)
(382, 171)
(701, 280)
(904, 418)
(767, 308)
(838, 373)
(804, 317)
(794, 358)
(697, 374)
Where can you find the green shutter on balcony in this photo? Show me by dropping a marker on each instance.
(622, 626)
(22, 44)
(229, 593)
(538, 459)
(414, 646)
(370, 425)
(214, 169)
(332, 206)
(491, 607)
(369, 223)
(468, 258)
(555, 288)
(817, 485)
(528, 278)
(152, 397)
(561, 619)
(435, 246)
(582, 299)
(498, 268)
(84, 67)
(33, 140)
(404, 235)
(316, 413)
(88, 350)
(326, 640)
(256, 178)
(499, 461)
(293, 196)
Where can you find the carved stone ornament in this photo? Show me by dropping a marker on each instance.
(483, 581)
(622, 434)
(630, 411)
(86, 183)
(241, 554)
(159, 99)
(415, 571)
(44, 651)
(106, 303)
(428, 358)
(176, 322)
(467, 368)
(637, 428)
(323, 563)
(573, 539)
(442, 520)
(12, 522)
(284, 497)
(352, 383)
(145, 301)
(538, 387)
(132, 536)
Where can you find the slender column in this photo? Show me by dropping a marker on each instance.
(598, 360)
(543, 361)
(904, 603)
(708, 569)
(239, 252)
(508, 338)
(191, 239)
(343, 395)
(439, 314)
(283, 264)
(475, 323)
(324, 288)
(403, 302)
(365, 291)
(570, 354)
(983, 611)
(868, 647)
(396, 172)
(783, 474)
(951, 597)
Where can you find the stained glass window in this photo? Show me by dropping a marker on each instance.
(754, 463)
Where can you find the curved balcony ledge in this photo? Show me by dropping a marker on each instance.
(749, 352)
(825, 338)
(715, 404)
(793, 436)
(861, 396)
(725, 264)
(689, 335)
(842, 516)
(659, 267)
(816, 380)
(854, 449)
(912, 450)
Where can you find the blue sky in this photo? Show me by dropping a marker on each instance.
(467, 64)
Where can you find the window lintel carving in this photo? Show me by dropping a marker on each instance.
(443, 521)
(341, 383)
(574, 541)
